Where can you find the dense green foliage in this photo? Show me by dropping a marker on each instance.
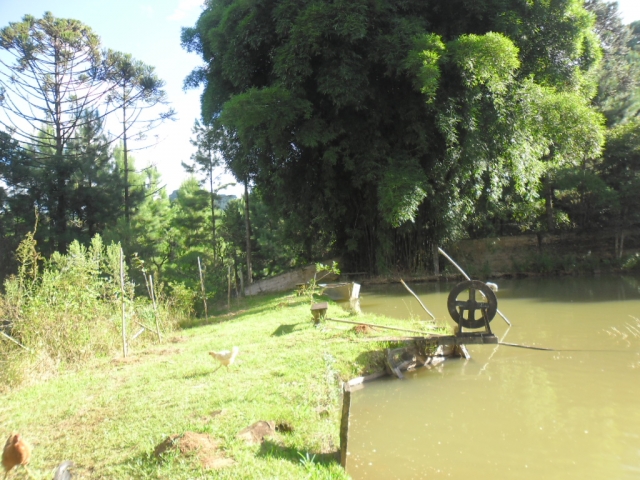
(374, 131)
(381, 123)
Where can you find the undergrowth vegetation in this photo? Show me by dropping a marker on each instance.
(61, 312)
(111, 417)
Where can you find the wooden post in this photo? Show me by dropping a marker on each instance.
(235, 283)
(155, 307)
(344, 424)
(204, 293)
(124, 323)
(229, 291)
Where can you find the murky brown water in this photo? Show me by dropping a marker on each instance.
(511, 413)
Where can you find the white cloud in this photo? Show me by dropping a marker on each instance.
(184, 8)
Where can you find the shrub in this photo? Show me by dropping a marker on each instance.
(69, 310)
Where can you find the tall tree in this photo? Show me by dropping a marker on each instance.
(619, 74)
(621, 170)
(136, 92)
(205, 160)
(94, 197)
(49, 78)
(364, 117)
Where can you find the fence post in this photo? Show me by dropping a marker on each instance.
(155, 307)
(204, 293)
(344, 423)
(122, 294)
(229, 289)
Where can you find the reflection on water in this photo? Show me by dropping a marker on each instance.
(509, 412)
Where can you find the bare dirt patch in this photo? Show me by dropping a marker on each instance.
(199, 445)
(165, 352)
(255, 433)
(363, 329)
(126, 360)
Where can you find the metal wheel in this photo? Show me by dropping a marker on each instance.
(486, 305)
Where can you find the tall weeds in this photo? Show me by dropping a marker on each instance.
(67, 310)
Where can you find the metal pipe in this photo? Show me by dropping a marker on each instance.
(382, 326)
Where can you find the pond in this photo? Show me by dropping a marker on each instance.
(509, 412)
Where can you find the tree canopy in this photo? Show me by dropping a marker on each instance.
(57, 88)
(356, 118)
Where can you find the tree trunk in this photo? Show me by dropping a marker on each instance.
(549, 203)
(213, 211)
(127, 213)
(436, 259)
(60, 222)
(248, 229)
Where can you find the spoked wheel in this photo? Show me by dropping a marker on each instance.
(470, 297)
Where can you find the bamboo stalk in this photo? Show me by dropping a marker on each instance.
(204, 293)
(468, 278)
(418, 299)
(383, 326)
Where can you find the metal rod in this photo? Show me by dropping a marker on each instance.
(418, 299)
(527, 346)
(442, 252)
(382, 326)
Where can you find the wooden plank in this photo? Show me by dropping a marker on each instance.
(463, 352)
(468, 339)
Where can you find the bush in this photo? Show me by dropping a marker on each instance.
(70, 310)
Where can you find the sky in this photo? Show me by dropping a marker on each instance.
(150, 31)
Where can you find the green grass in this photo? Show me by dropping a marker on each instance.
(109, 417)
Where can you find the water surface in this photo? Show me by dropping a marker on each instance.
(509, 412)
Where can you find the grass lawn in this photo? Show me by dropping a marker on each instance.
(108, 418)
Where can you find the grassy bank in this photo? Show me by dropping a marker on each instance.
(109, 417)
